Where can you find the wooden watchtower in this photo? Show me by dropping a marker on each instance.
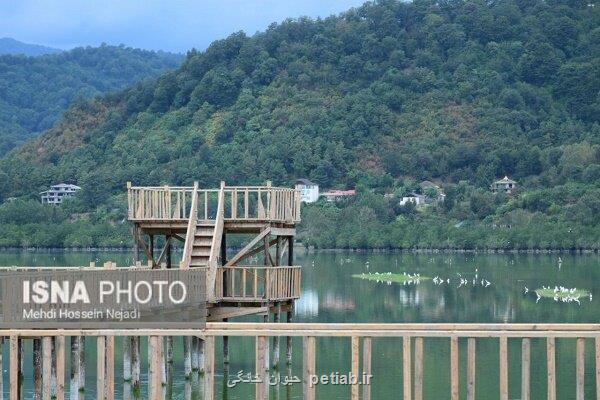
(203, 219)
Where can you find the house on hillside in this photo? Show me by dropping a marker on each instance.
(309, 191)
(336, 195)
(58, 192)
(414, 198)
(505, 185)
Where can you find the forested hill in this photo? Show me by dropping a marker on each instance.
(378, 98)
(12, 46)
(34, 91)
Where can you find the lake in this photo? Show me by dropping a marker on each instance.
(462, 288)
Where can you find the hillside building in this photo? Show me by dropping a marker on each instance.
(58, 193)
(309, 191)
(336, 195)
(505, 185)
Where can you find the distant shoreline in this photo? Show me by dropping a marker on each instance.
(313, 250)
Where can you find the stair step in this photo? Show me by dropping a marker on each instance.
(200, 241)
(201, 253)
(204, 232)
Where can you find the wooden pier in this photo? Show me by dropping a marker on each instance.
(359, 338)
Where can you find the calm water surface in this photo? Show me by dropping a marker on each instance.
(331, 294)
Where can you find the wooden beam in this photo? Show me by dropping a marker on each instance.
(354, 350)
(209, 368)
(175, 236)
(525, 364)
(580, 369)
(419, 368)
(367, 367)
(14, 367)
(283, 231)
(471, 369)
(164, 251)
(551, 360)
(454, 368)
(240, 255)
(60, 368)
(308, 367)
(407, 367)
(503, 368)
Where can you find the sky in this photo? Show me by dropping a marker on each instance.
(169, 25)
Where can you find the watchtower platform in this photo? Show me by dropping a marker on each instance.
(203, 219)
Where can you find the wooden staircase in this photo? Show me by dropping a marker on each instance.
(202, 244)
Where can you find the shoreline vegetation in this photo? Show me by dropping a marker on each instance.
(301, 247)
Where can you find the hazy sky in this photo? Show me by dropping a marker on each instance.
(171, 25)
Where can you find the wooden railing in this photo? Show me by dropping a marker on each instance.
(241, 203)
(412, 337)
(186, 257)
(258, 283)
(157, 203)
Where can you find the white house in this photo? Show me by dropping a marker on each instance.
(414, 198)
(309, 191)
(505, 184)
(57, 193)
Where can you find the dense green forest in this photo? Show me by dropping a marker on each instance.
(35, 91)
(378, 98)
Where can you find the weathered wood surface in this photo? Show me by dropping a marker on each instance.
(412, 371)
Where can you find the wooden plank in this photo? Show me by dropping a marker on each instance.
(100, 367)
(525, 368)
(156, 367)
(308, 367)
(46, 368)
(471, 365)
(209, 368)
(261, 387)
(551, 362)
(580, 369)
(14, 368)
(367, 367)
(407, 368)
(419, 368)
(597, 343)
(60, 368)
(454, 367)
(503, 368)
(354, 349)
(110, 367)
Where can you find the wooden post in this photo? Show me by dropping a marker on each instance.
(276, 318)
(81, 363)
(471, 368)
(308, 367)
(60, 367)
(135, 364)
(14, 368)
(126, 343)
(109, 361)
(354, 351)
(262, 348)
(155, 376)
(2, 371)
(580, 369)
(100, 367)
(419, 368)
(151, 249)
(201, 358)
(37, 368)
(187, 357)
(367, 367)
(209, 368)
(407, 369)
(525, 362)
(194, 353)
(597, 345)
(288, 350)
(550, 349)
(46, 367)
(503, 368)
(53, 380)
(454, 367)
(74, 383)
